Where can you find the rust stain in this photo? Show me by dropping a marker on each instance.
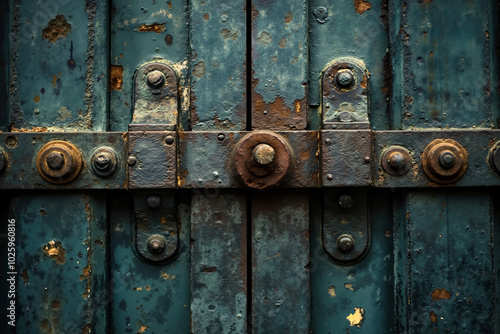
(349, 286)
(156, 27)
(33, 129)
(25, 276)
(356, 318)
(364, 83)
(440, 294)
(331, 291)
(206, 16)
(55, 251)
(147, 288)
(282, 43)
(166, 276)
(37, 98)
(55, 305)
(57, 28)
(433, 317)
(169, 39)
(361, 6)
(169, 5)
(54, 80)
(142, 329)
(288, 17)
(116, 80)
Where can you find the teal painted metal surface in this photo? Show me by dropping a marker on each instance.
(58, 66)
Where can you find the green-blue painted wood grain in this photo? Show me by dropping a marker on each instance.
(218, 36)
(66, 292)
(59, 84)
(450, 262)
(337, 290)
(442, 62)
(130, 48)
(153, 298)
(337, 30)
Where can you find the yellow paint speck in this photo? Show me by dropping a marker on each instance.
(356, 319)
(166, 276)
(349, 286)
(331, 291)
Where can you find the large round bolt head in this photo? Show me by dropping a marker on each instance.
(153, 201)
(155, 79)
(447, 159)
(344, 79)
(397, 160)
(345, 244)
(55, 160)
(346, 202)
(102, 162)
(263, 154)
(156, 244)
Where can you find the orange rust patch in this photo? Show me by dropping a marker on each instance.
(147, 288)
(433, 317)
(116, 80)
(282, 43)
(37, 98)
(169, 5)
(362, 6)
(57, 28)
(206, 16)
(156, 27)
(364, 83)
(166, 276)
(33, 129)
(54, 80)
(55, 250)
(142, 329)
(440, 294)
(288, 17)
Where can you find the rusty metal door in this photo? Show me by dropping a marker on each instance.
(249, 166)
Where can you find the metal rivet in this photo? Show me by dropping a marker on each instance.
(329, 177)
(328, 141)
(263, 154)
(221, 137)
(156, 244)
(153, 201)
(367, 159)
(169, 140)
(344, 79)
(346, 202)
(397, 160)
(11, 142)
(155, 79)
(345, 243)
(104, 161)
(131, 160)
(55, 160)
(447, 159)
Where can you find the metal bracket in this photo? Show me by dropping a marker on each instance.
(346, 229)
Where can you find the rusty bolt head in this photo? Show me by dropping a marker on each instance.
(396, 161)
(156, 244)
(153, 201)
(156, 79)
(344, 79)
(131, 160)
(104, 161)
(447, 159)
(263, 154)
(346, 202)
(444, 161)
(345, 243)
(169, 140)
(11, 141)
(55, 160)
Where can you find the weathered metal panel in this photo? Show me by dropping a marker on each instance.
(219, 262)
(146, 298)
(280, 262)
(142, 32)
(61, 251)
(347, 28)
(58, 65)
(442, 66)
(218, 37)
(359, 297)
(449, 266)
(279, 65)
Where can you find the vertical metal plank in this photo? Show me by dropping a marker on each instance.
(58, 65)
(219, 62)
(60, 261)
(450, 262)
(280, 262)
(4, 63)
(279, 65)
(146, 297)
(363, 292)
(218, 263)
(347, 28)
(444, 64)
(141, 32)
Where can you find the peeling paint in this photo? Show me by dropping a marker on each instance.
(116, 80)
(264, 38)
(226, 34)
(433, 317)
(288, 17)
(55, 251)
(349, 286)
(57, 28)
(331, 291)
(156, 27)
(166, 276)
(440, 294)
(199, 69)
(282, 43)
(63, 114)
(357, 318)
(362, 6)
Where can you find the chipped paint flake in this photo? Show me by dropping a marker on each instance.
(55, 251)
(349, 286)
(331, 291)
(357, 318)
(156, 27)
(362, 6)
(57, 28)
(63, 114)
(440, 294)
(264, 38)
(166, 276)
(116, 80)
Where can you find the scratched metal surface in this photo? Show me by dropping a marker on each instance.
(58, 65)
(61, 262)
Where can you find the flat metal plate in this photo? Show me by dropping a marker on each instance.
(21, 149)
